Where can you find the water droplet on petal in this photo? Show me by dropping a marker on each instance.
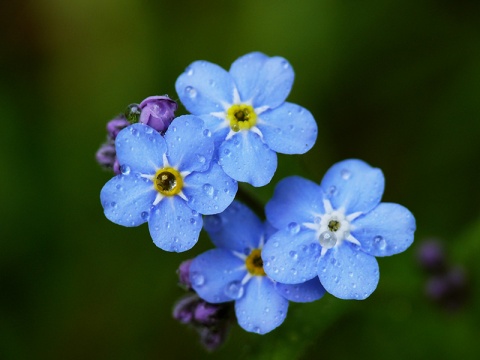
(125, 169)
(189, 71)
(197, 279)
(328, 239)
(346, 174)
(380, 242)
(294, 228)
(145, 215)
(234, 290)
(207, 133)
(201, 159)
(293, 255)
(208, 189)
(191, 92)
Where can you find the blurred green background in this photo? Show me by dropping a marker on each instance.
(395, 83)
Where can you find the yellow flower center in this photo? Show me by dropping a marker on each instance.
(241, 117)
(334, 225)
(168, 181)
(254, 263)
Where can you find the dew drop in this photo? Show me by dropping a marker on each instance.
(328, 239)
(380, 242)
(234, 290)
(201, 159)
(293, 255)
(294, 228)
(207, 133)
(145, 215)
(189, 71)
(125, 169)
(191, 92)
(193, 221)
(208, 189)
(346, 174)
(113, 204)
(197, 279)
(332, 190)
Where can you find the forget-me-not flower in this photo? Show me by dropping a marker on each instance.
(168, 181)
(246, 111)
(234, 272)
(335, 230)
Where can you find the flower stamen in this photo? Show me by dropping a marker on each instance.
(254, 263)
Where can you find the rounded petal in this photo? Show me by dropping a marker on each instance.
(213, 271)
(204, 88)
(190, 144)
(264, 81)
(173, 225)
(291, 257)
(140, 148)
(210, 192)
(288, 129)
(245, 72)
(295, 199)
(237, 228)
(245, 157)
(308, 291)
(386, 230)
(354, 185)
(261, 309)
(348, 273)
(126, 199)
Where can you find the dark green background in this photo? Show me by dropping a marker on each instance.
(395, 83)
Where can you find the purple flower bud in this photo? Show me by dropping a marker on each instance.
(212, 338)
(106, 155)
(157, 112)
(184, 309)
(184, 274)
(116, 125)
(207, 313)
(431, 256)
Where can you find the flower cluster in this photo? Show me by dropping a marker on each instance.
(181, 174)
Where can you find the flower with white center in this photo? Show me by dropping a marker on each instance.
(234, 271)
(335, 229)
(246, 111)
(168, 181)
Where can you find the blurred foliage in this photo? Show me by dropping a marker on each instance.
(395, 83)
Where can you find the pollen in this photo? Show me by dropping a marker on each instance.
(241, 117)
(254, 263)
(168, 181)
(334, 225)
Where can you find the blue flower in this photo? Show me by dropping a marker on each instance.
(334, 230)
(234, 272)
(168, 181)
(246, 111)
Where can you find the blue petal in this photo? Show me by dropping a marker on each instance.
(210, 192)
(190, 145)
(204, 87)
(140, 148)
(308, 291)
(213, 271)
(237, 228)
(267, 82)
(288, 129)
(245, 72)
(218, 128)
(262, 308)
(245, 157)
(295, 199)
(353, 184)
(127, 199)
(173, 225)
(386, 230)
(291, 257)
(348, 273)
